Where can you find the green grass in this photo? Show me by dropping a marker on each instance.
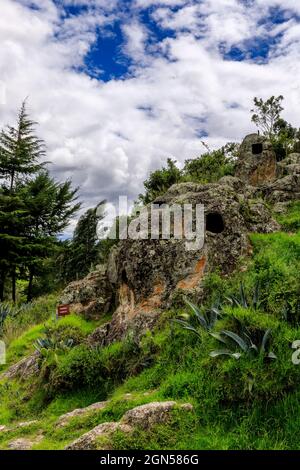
(22, 346)
(291, 220)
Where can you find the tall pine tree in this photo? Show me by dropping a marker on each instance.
(34, 209)
(20, 151)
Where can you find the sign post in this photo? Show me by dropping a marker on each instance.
(62, 311)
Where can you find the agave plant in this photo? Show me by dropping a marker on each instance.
(51, 346)
(205, 320)
(242, 301)
(235, 345)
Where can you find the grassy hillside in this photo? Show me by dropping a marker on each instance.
(246, 399)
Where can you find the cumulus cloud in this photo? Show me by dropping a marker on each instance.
(182, 82)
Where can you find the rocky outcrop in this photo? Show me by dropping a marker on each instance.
(143, 277)
(257, 161)
(142, 417)
(91, 296)
(149, 275)
(284, 189)
(98, 336)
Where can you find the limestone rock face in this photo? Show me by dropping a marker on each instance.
(257, 161)
(90, 296)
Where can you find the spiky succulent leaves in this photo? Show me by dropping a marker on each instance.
(240, 342)
(265, 340)
(263, 347)
(212, 316)
(232, 300)
(186, 326)
(244, 303)
(219, 338)
(225, 352)
(201, 319)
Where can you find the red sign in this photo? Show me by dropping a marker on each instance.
(63, 310)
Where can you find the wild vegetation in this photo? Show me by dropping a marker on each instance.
(230, 357)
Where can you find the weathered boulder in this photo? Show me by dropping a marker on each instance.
(21, 443)
(90, 296)
(25, 443)
(65, 419)
(289, 166)
(147, 416)
(90, 440)
(98, 336)
(283, 189)
(25, 424)
(24, 369)
(257, 161)
(292, 159)
(144, 417)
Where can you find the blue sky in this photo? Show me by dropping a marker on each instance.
(119, 86)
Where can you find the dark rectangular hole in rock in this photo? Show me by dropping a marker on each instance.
(257, 149)
(214, 223)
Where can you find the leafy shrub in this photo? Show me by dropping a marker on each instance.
(209, 167)
(86, 367)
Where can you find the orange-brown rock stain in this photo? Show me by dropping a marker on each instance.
(154, 300)
(130, 308)
(192, 280)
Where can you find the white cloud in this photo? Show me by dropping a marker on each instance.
(136, 36)
(107, 136)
